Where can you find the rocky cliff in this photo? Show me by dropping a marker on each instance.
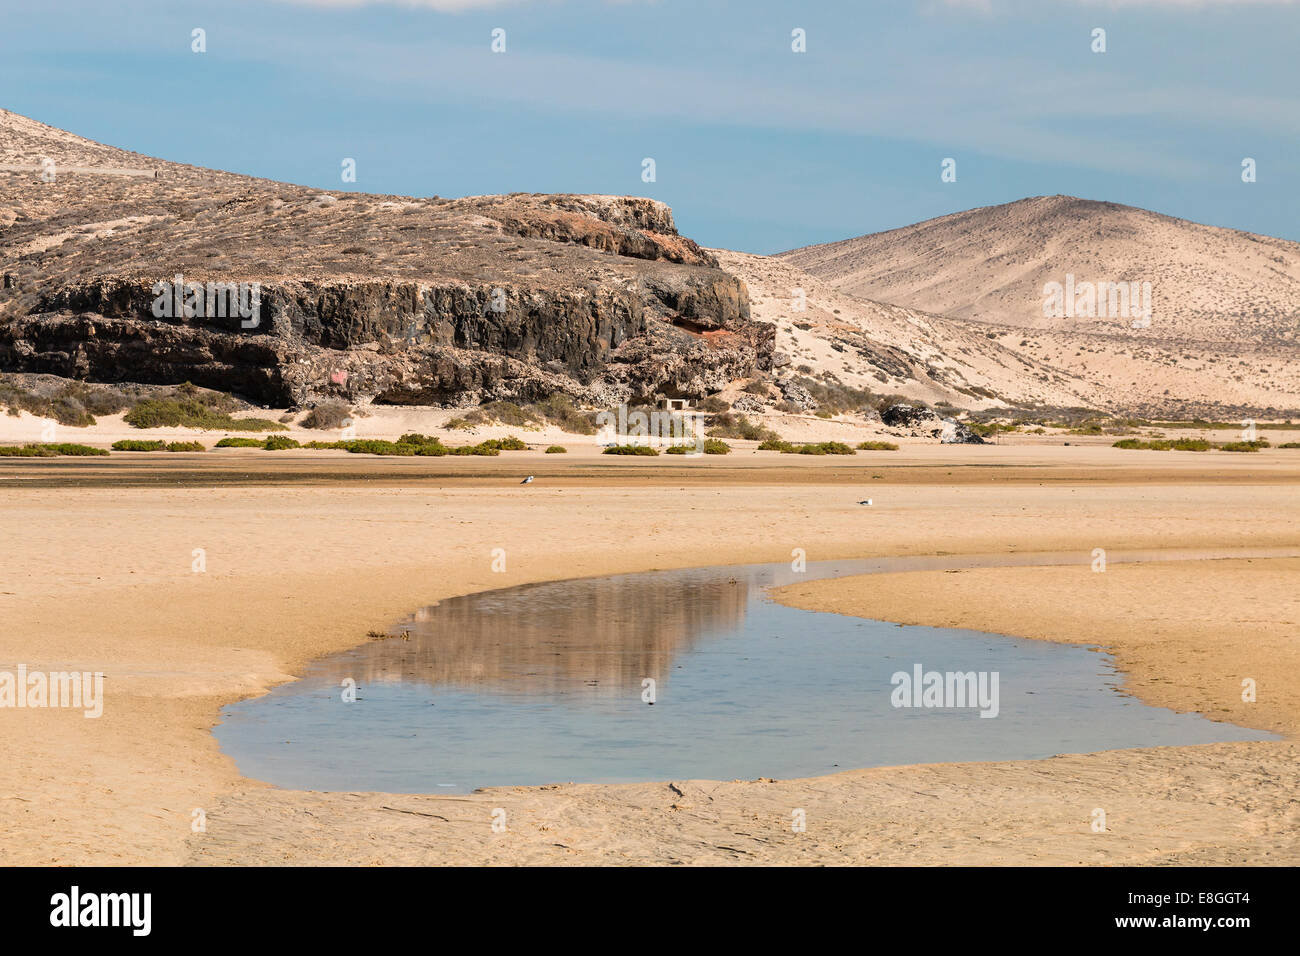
(140, 270)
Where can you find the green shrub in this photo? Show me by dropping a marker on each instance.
(776, 444)
(1243, 446)
(1191, 444)
(137, 444)
(192, 413)
(825, 448)
(630, 450)
(280, 443)
(459, 424)
(375, 446)
(877, 446)
(51, 450)
(1290, 444)
(510, 443)
(72, 449)
(241, 443)
(711, 446)
(557, 450)
(187, 446)
(1137, 443)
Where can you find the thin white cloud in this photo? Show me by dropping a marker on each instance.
(444, 6)
(991, 6)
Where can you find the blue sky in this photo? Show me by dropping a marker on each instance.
(756, 147)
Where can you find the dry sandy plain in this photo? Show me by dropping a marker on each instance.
(306, 552)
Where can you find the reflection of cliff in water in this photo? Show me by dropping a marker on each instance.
(603, 635)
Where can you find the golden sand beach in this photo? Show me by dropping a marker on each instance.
(304, 553)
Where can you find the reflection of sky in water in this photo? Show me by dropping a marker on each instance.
(543, 684)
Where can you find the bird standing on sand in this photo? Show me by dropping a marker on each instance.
(526, 480)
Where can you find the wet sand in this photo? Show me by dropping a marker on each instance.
(96, 573)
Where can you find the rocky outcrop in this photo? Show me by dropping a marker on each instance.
(921, 422)
(622, 225)
(797, 395)
(402, 342)
(364, 298)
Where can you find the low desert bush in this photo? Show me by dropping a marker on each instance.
(631, 450)
(51, 450)
(192, 413)
(330, 415)
(138, 444)
(280, 443)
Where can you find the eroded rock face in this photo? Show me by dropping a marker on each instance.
(363, 298)
(797, 395)
(905, 416)
(921, 422)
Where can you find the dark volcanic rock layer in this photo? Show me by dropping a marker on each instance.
(358, 297)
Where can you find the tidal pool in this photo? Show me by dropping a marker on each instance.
(549, 683)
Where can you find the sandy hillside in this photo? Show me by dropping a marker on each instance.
(886, 348)
(1224, 316)
(990, 264)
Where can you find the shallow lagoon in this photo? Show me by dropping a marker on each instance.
(547, 683)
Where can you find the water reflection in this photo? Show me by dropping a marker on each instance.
(604, 635)
(542, 683)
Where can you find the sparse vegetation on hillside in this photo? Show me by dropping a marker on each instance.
(726, 425)
(556, 409)
(192, 413)
(70, 403)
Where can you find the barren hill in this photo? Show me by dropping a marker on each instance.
(833, 336)
(407, 300)
(991, 265)
(118, 267)
(1220, 338)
